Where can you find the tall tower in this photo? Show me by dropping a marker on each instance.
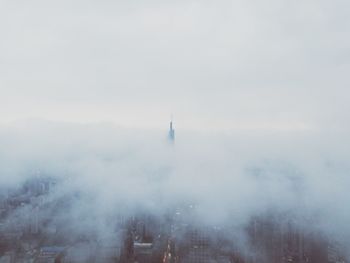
(171, 132)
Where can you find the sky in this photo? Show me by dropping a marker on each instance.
(214, 65)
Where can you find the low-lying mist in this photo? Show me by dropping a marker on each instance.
(102, 172)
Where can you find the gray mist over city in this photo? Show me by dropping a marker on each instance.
(174, 131)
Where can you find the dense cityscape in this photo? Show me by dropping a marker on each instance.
(35, 227)
(147, 239)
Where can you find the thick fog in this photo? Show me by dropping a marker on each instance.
(258, 90)
(105, 172)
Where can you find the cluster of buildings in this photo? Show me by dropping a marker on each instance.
(28, 235)
(145, 238)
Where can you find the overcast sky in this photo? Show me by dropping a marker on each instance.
(240, 64)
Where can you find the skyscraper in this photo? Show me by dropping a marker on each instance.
(171, 132)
